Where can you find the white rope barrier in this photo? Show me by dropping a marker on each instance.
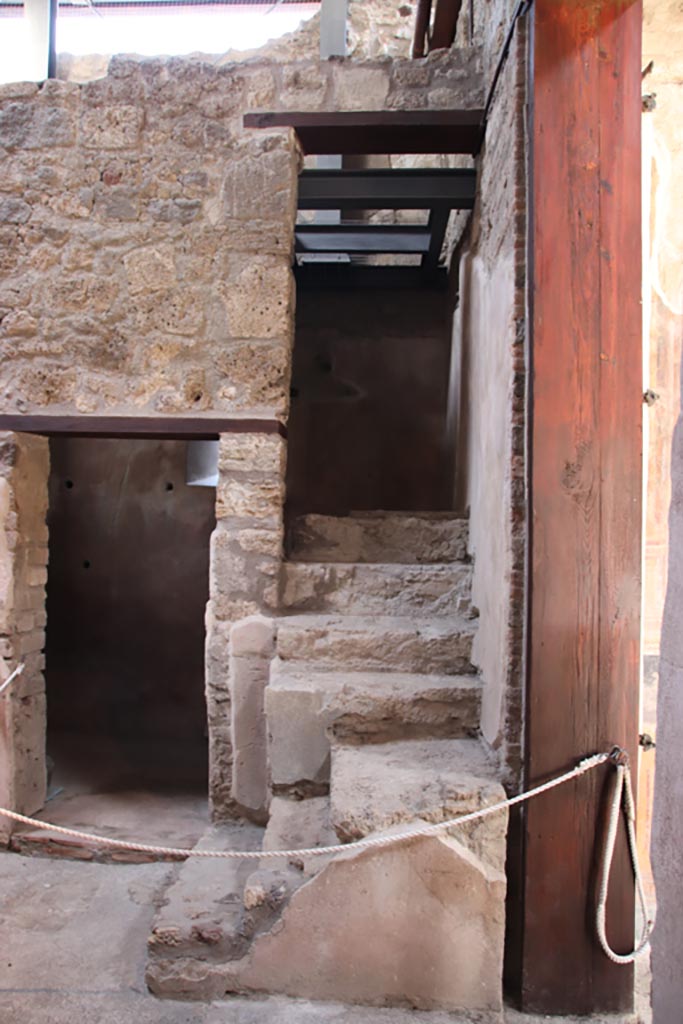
(622, 799)
(370, 843)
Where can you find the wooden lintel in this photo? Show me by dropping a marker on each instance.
(166, 427)
(379, 131)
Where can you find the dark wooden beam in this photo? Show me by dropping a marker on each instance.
(422, 16)
(362, 238)
(585, 486)
(379, 131)
(387, 189)
(446, 15)
(170, 427)
(332, 276)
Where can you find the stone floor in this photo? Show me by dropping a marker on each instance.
(120, 787)
(73, 937)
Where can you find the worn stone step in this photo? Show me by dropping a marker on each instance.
(386, 589)
(375, 787)
(403, 537)
(203, 913)
(380, 643)
(300, 825)
(306, 707)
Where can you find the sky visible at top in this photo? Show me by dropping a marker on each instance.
(151, 31)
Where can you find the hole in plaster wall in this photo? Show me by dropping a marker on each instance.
(86, 563)
(68, 484)
(169, 486)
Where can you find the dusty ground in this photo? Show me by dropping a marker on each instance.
(72, 942)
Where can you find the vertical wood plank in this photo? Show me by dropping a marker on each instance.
(585, 452)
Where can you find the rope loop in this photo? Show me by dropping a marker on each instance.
(622, 799)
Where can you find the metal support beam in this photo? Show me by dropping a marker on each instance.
(387, 190)
(334, 276)
(438, 222)
(363, 239)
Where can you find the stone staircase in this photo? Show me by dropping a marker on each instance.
(372, 710)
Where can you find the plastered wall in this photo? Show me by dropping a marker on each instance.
(487, 388)
(368, 416)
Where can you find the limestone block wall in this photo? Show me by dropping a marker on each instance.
(488, 380)
(246, 552)
(146, 236)
(24, 464)
(146, 248)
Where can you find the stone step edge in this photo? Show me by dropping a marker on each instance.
(288, 671)
(444, 624)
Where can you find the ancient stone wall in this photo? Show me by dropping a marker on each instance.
(146, 242)
(246, 552)
(146, 236)
(24, 463)
(488, 389)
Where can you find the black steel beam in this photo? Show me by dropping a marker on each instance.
(387, 189)
(379, 131)
(363, 238)
(438, 222)
(333, 276)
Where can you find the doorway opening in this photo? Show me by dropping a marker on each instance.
(128, 582)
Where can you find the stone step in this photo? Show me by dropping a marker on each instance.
(380, 643)
(306, 707)
(386, 589)
(376, 787)
(299, 825)
(403, 537)
(203, 916)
